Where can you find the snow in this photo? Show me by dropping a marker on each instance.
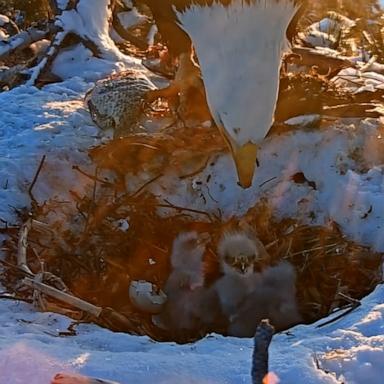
(72, 61)
(335, 158)
(90, 21)
(33, 351)
(359, 81)
(3, 20)
(131, 18)
(36, 123)
(345, 161)
(3, 35)
(326, 32)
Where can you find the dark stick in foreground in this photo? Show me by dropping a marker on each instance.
(263, 337)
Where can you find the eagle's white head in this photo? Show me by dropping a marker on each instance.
(240, 44)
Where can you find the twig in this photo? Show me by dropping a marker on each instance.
(326, 246)
(13, 76)
(135, 194)
(63, 297)
(353, 110)
(22, 246)
(351, 300)
(16, 268)
(41, 227)
(16, 298)
(354, 304)
(92, 177)
(196, 171)
(183, 209)
(126, 35)
(48, 59)
(35, 178)
(262, 339)
(92, 202)
(267, 181)
(24, 39)
(310, 57)
(107, 317)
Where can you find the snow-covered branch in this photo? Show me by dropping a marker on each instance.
(24, 39)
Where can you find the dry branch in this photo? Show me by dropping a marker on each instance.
(24, 39)
(35, 177)
(64, 297)
(353, 304)
(126, 35)
(13, 76)
(353, 110)
(46, 62)
(41, 227)
(106, 317)
(23, 245)
(262, 339)
(310, 57)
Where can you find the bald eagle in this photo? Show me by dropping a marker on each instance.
(239, 45)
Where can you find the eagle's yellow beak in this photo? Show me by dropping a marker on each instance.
(245, 160)
(245, 157)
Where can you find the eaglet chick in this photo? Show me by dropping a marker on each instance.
(246, 297)
(190, 305)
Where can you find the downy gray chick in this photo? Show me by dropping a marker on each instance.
(238, 253)
(190, 306)
(272, 296)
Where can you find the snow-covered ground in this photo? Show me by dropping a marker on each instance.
(345, 161)
(32, 351)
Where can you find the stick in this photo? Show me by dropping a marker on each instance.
(310, 57)
(16, 298)
(13, 76)
(126, 35)
(15, 268)
(48, 59)
(22, 246)
(92, 177)
(183, 209)
(64, 297)
(353, 110)
(262, 339)
(24, 39)
(354, 304)
(41, 227)
(36, 177)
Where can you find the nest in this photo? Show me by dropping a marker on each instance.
(110, 242)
